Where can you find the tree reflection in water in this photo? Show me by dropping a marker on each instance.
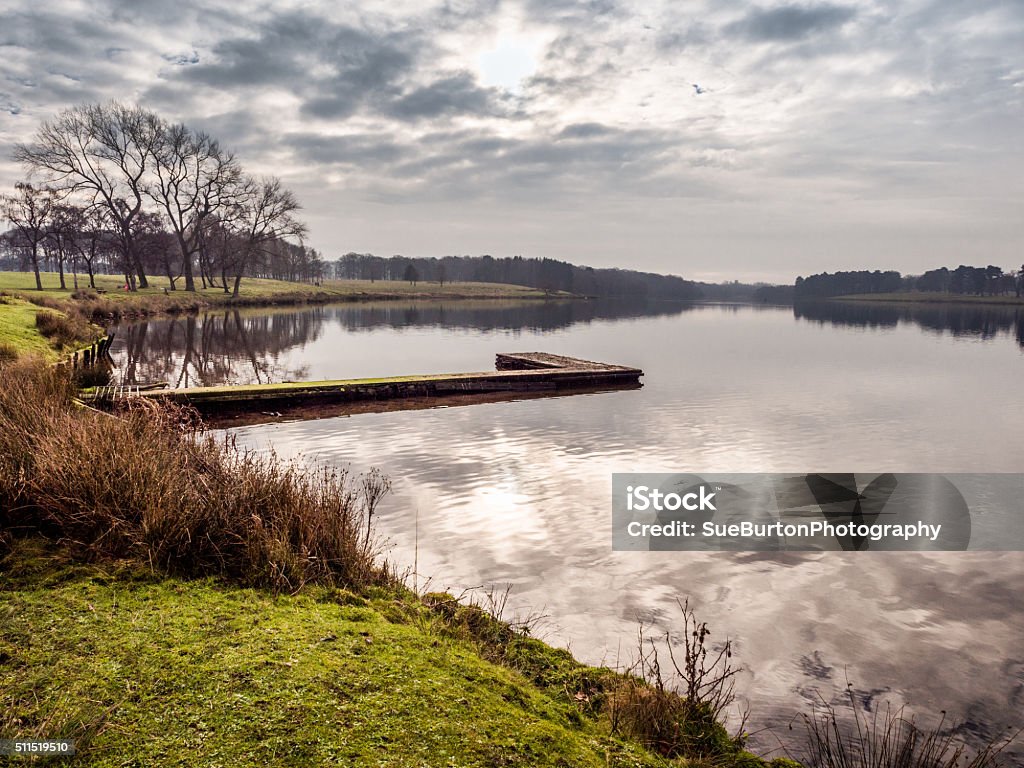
(979, 321)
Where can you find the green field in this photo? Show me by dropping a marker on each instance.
(18, 329)
(253, 288)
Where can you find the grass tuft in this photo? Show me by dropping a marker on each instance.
(64, 330)
(888, 739)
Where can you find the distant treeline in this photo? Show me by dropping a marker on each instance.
(544, 274)
(977, 281)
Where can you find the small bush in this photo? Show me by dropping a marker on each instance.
(64, 330)
(8, 352)
(680, 717)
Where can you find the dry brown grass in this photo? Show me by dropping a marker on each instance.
(65, 330)
(678, 711)
(149, 485)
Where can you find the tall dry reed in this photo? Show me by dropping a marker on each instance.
(148, 484)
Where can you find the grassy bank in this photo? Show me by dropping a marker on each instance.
(144, 670)
(111, 301)
(28, 329)
(928, 297)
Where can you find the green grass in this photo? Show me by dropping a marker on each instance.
(932, 297)
(19, 334)
(269, 291)
(144, 670)
(18, 328)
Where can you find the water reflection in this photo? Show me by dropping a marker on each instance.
(214, 348)
(265, 346)
(975, 321)
(499, 315)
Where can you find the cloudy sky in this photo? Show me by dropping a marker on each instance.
(853, 134)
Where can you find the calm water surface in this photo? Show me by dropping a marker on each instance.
(519, 492)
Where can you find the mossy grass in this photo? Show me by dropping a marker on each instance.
(144, 669)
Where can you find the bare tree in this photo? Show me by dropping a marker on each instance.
(29, 210)
(97, 241)
(193, 178)
(104, 152)
(263, 215)
(63, 240)
(157, 248)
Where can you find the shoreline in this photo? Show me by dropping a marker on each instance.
(91, 312)
(927, 299)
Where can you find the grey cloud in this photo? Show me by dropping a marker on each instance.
(182, 59)
(52, 33)
(479, 164)
(9, 105)
(283, 49)
(337, 69)
(790, 22)
(357, 149)
(563, 10)
(366, 77)
(673, 41)
(454, 14)
(584, 131)
(457, 94)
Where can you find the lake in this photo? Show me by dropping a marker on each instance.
(518, 493)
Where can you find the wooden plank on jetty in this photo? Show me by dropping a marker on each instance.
(516, 373)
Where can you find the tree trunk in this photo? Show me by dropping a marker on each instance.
(143, 280)
(60, 269)
(35, 266)
(133, 261)
(186, 265)
(170, 273)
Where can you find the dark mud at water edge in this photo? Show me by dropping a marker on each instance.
(519, 492)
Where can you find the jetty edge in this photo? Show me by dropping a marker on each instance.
(520, 372)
